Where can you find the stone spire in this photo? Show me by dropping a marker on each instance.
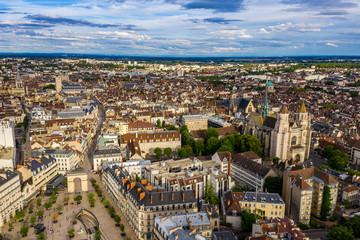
(264, 111)
(283, 110)
(303, 108)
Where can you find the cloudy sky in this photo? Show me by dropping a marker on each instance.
(181, 27)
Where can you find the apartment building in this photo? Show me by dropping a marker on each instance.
(10, 195)
(106, 154)
(277, 228)
(146, 142)
(194, 122)
(191, 226)
(352, 194)
(35, 174)
(7, 145)
(266, 205)
(66, 160)
(303, 193)
(191, 174)
(140, 204)
(247, 171)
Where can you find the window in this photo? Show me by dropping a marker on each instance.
(293, 141)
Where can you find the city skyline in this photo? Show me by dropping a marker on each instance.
(181, 28)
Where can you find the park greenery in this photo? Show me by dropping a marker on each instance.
(273, 185)
(346, 229)
(211, 144)
(336, 159)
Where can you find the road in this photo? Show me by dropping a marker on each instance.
(319, 234)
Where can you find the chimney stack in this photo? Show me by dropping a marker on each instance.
(162, 196)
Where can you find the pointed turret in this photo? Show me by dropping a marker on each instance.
(303, 108)
(264, 111)
(283, 110)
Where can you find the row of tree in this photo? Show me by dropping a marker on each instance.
(212, 143)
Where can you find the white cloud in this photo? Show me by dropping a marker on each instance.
(127, 35)
(226, 49)
(332, 45)
(297, 27)
(232, 34)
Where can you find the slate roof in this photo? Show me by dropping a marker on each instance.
(250, 165)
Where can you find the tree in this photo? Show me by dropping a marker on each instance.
(105, 203)
(97, 235)
(248, 220)
(31, 210)
(71, 233)
(92, 202)
(184, 138)
(336, 159)
(210, 194)
(32, 220)
(354, 225)
(275, 160)
(20, 215)
(158, 123)
(53, 197)
(211, 132)
(163, 124)
(237, 189)
(117, 220)
(212, 144)
(38, 201)
(158, 152)
(199, 147)
(190, 141)
(48, 205)
(93, 181)
(224, 148)
(245, 143)
(122, 228)
(41, 236)
(172, 128)
(65, 182)
(78, 198)
(26, 122)
(326, 204)
(40, 214)
(55, 217)
(182, 152)
(91, 195)
(346, 203)
(24, 230)
(188, 150)
(112, 211)
(273, 185)
(167, 151)
(24, 138)
(184, 128)
(340, 232)
(66, 200)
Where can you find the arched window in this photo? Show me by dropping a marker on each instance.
(293, 141)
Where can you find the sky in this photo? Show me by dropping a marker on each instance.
(184, 28)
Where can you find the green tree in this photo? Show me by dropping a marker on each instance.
(211, 132)
(24, 230)
(158, 123)
(354, 225)
(97, 235)
(38, 201)
(237, 189)
(184, 137)
(188, 149)
(91, 195)
(172, 128)
(248, 220)
(275, 160)
(163, 124)
(48, 205)
(167, 151)
(53, 197)
(122, 228)
(210, 194)
(20, 215)
(336, 159)
(340, 233)
(105, 203)
(190, 141)
(41, 236)
(346, 203)
(182, 153)
(224, 148)
(212, 144)
(25, 122)
(78, 198)
(184, 128)
(93, 181)
(24, 138)
(92, 202)
(273, 185)
(158, 152)
(40, 213)
(245, 143)
(71, 233)
(199, 147)
(326, 204)
(32, 220)
(117, 220)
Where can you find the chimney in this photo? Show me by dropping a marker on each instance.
(162, 196)
(151, 199)
(228, 202)
(172, 196)
(183, 196)
(202, 217)
(138, 190)
(176, 236)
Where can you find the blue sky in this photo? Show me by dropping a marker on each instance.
(182, 28)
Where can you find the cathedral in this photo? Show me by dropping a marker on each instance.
(281, 135)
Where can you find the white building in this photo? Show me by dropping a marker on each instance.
(7, 134)
(38, 113)
(106, 154)
(66, 160)
(10, 195)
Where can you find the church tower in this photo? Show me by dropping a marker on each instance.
(264, 111)
(303, 121)
(280, 136)
(58, 84)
